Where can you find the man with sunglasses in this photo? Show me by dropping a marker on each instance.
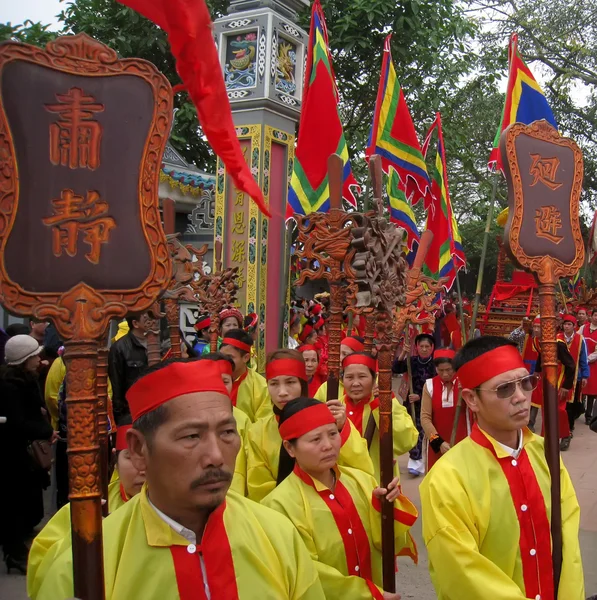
(486, 503)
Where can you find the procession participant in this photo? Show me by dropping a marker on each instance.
(308, 335)
(314, 377)
(488, 499)
(359, 379)
(349, 345)
(325, 500)
(322, 346)
(230, 318)
(250, 325)
(294, 330)
(422, 369)
(577, 347)
(202, 339)
(126, 359)
(186, 534)
(438, 408)
(531, 348)
(249, 390)
(286, 381)
(582, 316)
(55, 537)
(226, 366)
(589, 332)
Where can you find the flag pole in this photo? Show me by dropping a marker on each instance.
(462, 325)
(483, 255)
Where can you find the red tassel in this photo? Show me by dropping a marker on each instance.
(190, 33)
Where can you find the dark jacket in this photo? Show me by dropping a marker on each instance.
(565, 358)
(126, 360)
(21, 403)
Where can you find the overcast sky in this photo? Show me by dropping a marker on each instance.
(18, 11)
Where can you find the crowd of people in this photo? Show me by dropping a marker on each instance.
(228, 483)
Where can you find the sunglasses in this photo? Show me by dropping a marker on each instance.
(508, 389)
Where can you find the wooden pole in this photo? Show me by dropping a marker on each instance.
(462, 325)
(386, 464)
(101, 383)
(483, 255)
(549, 366)
(83, 452)
(563, 296)
(172, 308)
(370, 332)
(337, 287)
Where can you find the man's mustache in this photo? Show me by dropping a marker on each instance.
(212, 476)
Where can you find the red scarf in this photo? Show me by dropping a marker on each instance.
(236, 385)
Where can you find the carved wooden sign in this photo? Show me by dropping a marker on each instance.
(544, 173)
(81, 139)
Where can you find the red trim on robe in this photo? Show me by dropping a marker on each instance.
(236, 385)
(217, 560)
(357, 409)
(535, 533)
(399, 515)
(341, 505)
(123, 495)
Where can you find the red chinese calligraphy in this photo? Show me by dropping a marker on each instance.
(74, 213)
(75, 138)
(544, 170)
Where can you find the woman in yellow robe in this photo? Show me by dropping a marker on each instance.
(336, 508)
(287, 380)
(487, 502)
(359, 377)
(55, 537)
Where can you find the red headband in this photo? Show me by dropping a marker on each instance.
(121, 437)
(353, 344)
(307, 330)
(290, 367)
(225, 366)
(315, 310)
(319, 324)
(444, 353)
(203, 324)
(306, 420)
(177, 379)
(488, 365)
(537, 320)
(253, 322)
(227, 341)
(307, 347)
(570, 319)
(360, 359)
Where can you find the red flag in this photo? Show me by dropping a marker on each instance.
(189, 28)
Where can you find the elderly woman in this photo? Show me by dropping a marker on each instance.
(21, 402)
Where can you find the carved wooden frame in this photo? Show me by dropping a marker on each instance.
(545, 267)
(82, 311)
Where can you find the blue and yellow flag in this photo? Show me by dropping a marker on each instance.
(320, 132)
(525, 100)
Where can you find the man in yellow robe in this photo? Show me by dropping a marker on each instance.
(249, 390)
(185, 535)
(486, 503)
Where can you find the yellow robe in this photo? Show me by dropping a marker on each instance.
(475, 521)
(322, 393)
(253, 398)
(248, 551)
(263, 455)
(54, 538)
(54, 380)
(344, 572)
(239, 481)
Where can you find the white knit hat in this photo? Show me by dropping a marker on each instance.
(19, 348)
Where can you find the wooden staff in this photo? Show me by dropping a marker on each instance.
(154, 354)
(370, 332)
(101, 383)
(544, 205)
(456, 420)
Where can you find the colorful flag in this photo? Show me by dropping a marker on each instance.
(320, 131)
(401, 211)
(393, 136)
(190, 35)
(575, 284)
(525, 100)
(445, 256)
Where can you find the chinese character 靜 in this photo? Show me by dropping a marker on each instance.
(544, 170)
(239, 226)
(75, 138)
(548, 222)
(238, 251)
(74, 213)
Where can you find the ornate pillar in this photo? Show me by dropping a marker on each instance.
(263, 53)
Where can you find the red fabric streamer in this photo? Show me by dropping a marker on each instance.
(306, 420)
(190, 33)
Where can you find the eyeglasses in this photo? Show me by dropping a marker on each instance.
(508, 389)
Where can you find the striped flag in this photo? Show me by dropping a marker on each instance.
(401, 211)
(320, 132)
(446, 255)
(393, 136)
